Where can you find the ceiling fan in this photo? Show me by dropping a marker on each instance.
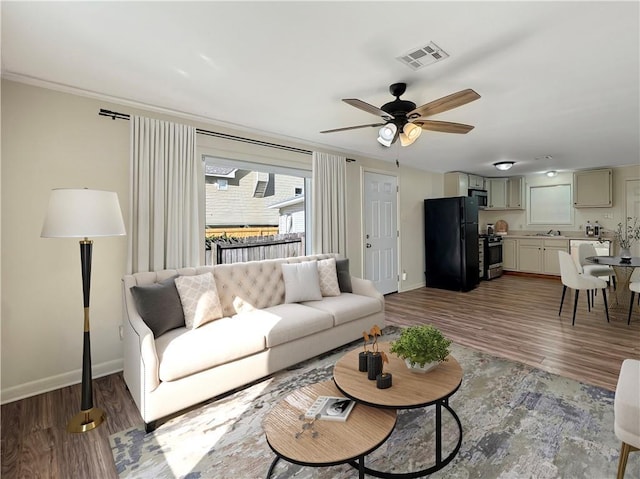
(403, 120)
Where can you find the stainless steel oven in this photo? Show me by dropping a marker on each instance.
(492, 256)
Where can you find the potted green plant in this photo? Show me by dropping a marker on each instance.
(422, 347)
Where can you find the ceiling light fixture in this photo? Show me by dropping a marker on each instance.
(410, 133)
(504, 165)
(551, 173)
(387, 133)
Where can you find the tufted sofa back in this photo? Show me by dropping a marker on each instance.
(241, 286)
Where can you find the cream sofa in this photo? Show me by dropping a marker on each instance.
(258, 335)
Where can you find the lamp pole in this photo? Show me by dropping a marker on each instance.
(89, 417)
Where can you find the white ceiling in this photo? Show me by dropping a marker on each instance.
(556, 78)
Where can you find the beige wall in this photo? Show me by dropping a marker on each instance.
(53, 140)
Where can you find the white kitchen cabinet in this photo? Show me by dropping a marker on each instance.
(506, 193)
(593, 188)
(530, 255)
(510, 254)
(550, 257)
(540, 255)
(456, 184)
(476, 182)
(497, 190)
(515, 193)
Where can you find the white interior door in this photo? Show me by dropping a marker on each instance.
(633, 208)
(381, 231)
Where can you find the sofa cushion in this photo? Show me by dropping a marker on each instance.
(344, 276)
(199, 298)
(159, 306)
(286, 322)
(301, 282)
(328, 277)
(182, 352)
(347, 307)
(250, 285)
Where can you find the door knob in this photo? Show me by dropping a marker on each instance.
(368, 245)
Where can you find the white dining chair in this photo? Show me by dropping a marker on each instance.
(577, 281)
(634, 286)
(585, 250)
(626, 411)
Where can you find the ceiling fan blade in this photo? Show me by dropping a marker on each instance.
(352, 128)
(445, 103)
(363, 105)
(444, 126)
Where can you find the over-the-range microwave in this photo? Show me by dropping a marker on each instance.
(481, 196)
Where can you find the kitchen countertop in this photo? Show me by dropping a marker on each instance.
(569, 236)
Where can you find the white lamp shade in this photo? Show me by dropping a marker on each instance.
(387, 133)
(82, 213)
(405, 140)
(412, 131)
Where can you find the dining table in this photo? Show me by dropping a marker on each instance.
(623, 269)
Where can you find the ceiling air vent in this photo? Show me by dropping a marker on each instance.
(423, 56)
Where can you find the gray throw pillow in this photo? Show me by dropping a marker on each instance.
(159, 306)
(344, 277)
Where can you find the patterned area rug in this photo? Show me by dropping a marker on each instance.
(518, 422)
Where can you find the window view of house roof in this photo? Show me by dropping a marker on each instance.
(221, 171)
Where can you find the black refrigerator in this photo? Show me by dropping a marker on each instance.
(451, 243)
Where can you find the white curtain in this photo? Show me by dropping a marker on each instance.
(328, 205)
(164, 226)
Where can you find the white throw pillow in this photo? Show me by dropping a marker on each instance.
(301, 282)
(328, 277)
(199, 297)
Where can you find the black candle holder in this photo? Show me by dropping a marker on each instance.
(363, 357)
(374, 365)
(383, 380)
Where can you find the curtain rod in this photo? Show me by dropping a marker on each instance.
(114, 115)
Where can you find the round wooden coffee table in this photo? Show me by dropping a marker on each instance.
(409, 390)
(337, 442)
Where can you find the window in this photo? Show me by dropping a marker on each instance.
(550, 205)
(254, 211)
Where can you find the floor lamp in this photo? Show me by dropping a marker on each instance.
(84, 213)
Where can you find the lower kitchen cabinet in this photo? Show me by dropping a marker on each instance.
(510, 254)
(539, 255)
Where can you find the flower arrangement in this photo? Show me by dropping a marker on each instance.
(372, 336)
(626, 236)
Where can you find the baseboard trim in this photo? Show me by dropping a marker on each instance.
(33, 388)
(409, 287)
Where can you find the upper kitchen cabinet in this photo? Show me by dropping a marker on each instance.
(456, 184)
(476, 182)
(593, 188)
(497, 189)
(506, 193)
(515, 193)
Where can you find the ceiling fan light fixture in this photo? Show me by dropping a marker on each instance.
(504, 165)
(412, 131)
(405, 140)
(387, 133)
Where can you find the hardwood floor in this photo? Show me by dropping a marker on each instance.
(515, 317)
